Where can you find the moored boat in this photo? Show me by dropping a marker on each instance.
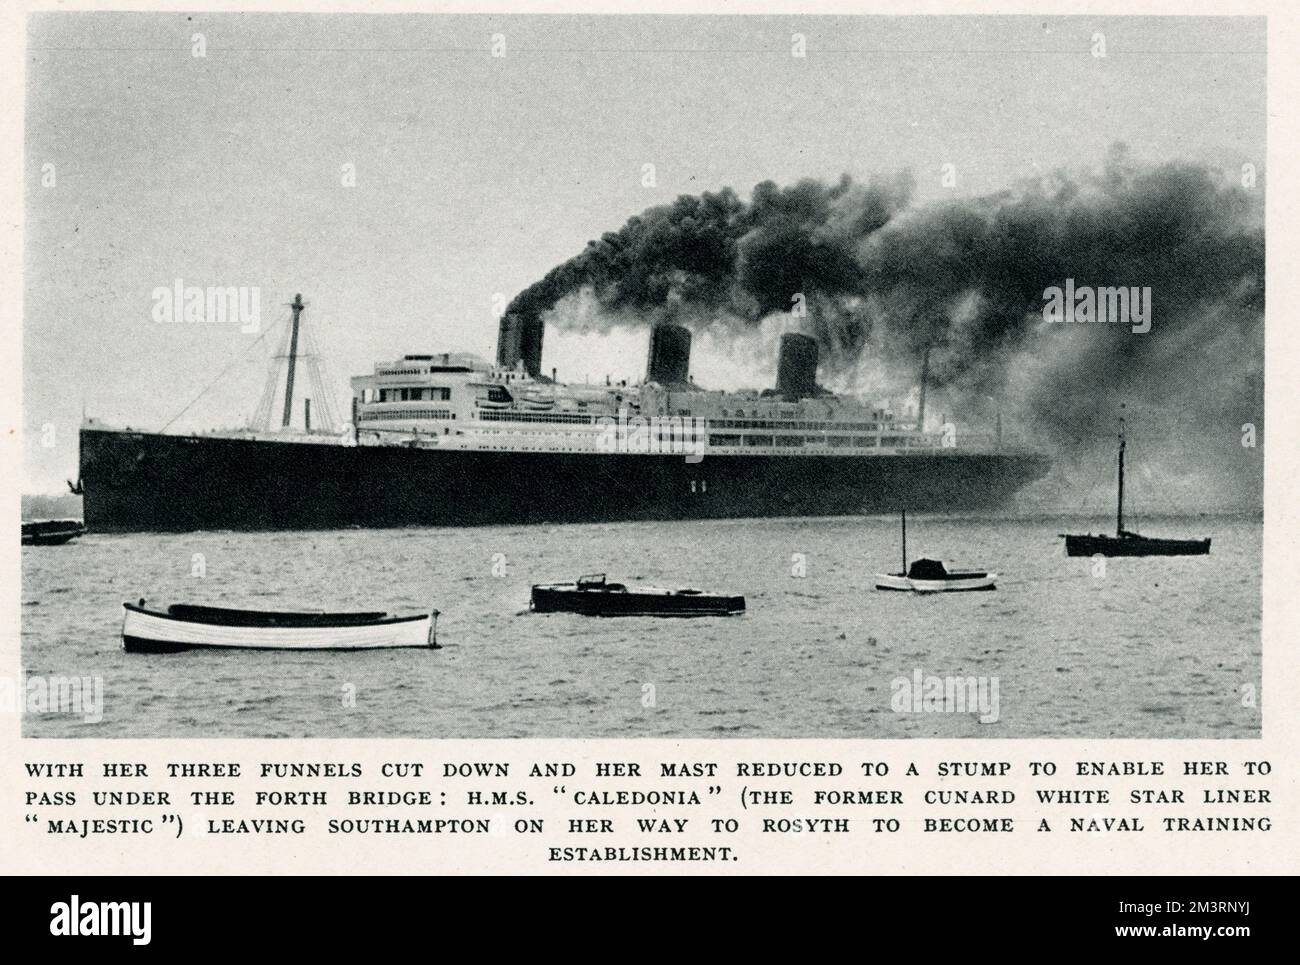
(192, 627)
(931, 576)
(593, 595)
(1124, 542)
(52, 532)
(1131, 544)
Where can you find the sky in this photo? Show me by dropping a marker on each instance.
(475, 174)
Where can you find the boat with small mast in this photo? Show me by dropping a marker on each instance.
(931, 576)
(1125, 542)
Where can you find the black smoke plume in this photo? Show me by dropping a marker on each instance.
(875, 277)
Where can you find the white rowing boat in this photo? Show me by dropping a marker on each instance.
(189, 627)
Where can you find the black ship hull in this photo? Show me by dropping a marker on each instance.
(1131, 545)
(143, 482)
(633, 604)
(53, 532)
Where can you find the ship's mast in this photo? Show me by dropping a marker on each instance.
(905, 542)
(297, 307)
(1119, 512)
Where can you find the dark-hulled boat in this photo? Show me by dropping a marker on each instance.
(594, 596)
(52, 532)
(192, 627)
(1131, 544)
(1126, 543)
(450, 439)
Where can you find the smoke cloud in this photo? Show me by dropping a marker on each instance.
(877, 280)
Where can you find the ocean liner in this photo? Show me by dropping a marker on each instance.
(451, 439)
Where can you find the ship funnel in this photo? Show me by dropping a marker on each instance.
(669, 362)
(796, 372)
(519, 338)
